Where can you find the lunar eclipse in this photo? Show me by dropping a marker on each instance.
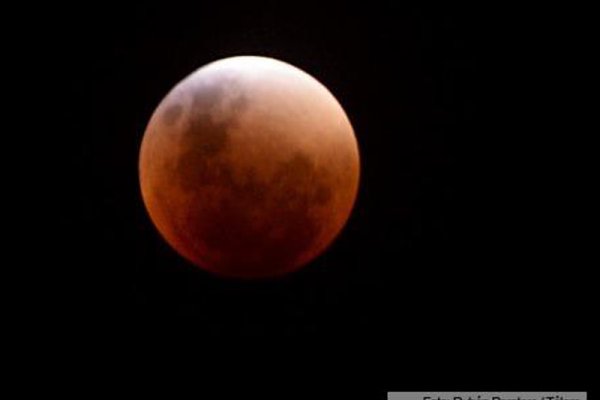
(249, 167)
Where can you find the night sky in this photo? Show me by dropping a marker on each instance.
(440, 279)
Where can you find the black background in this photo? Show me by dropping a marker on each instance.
(456, 269)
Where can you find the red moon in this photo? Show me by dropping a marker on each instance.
(249, 167)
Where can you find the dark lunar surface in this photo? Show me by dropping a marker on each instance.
(230, 231)
(172, 113)
(207, 136)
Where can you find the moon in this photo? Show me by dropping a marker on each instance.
(249, 168)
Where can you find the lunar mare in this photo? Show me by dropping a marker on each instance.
(249, 167)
